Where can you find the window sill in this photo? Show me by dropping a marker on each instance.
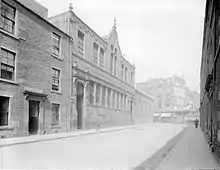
(57, 57)
(8, 81)
(58, 92)
(9, 34)
(55, 126)
(6, 128)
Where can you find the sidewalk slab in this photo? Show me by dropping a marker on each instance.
(191, 152)
(40, 138)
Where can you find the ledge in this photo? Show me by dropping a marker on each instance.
(6, 128)
(56, 127)
(8, 81)
(57, 92)
(57, 57)
(9, 34)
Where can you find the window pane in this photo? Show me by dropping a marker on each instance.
(55, 114)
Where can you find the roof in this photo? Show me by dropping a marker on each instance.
(42, 18)
(81, 22)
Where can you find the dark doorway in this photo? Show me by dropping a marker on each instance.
(79, 104)
(33, 124)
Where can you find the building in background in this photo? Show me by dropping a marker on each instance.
(102, 79)
(35, 71)
(171, 95)
(144, 107)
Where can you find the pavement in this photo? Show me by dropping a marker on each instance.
(40, 138)
(118, 149)
(191, 153)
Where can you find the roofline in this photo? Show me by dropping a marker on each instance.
(66, 12)
(42, 18)
(145, 94)
(128, 62)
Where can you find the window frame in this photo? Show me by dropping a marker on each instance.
(2, 17)
(100, 57)
(9, 110)
(83, 44)
(97, 57)
(58, 122)
(59, 85)
(53, 46)
(15, 63)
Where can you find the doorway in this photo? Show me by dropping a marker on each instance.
(33, 124)
(79, 105)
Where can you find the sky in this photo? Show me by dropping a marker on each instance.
(161, 37)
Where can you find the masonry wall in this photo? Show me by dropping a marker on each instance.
(32, 44)
(144, 108)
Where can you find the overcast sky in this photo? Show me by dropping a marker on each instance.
(162, 37)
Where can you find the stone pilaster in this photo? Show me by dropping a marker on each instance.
(106, 97)
(94, 93)
(73, 113)
(86, 102)
(100, 95)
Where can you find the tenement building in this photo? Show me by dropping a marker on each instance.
(210, 75)
(102, 79)
(34, 71)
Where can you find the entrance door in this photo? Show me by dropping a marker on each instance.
(79, 104)
(33, 117)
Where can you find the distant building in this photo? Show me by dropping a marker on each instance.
(144, 107)
(170, 92)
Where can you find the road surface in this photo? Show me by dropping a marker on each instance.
(115, 150)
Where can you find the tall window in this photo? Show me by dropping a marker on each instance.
(56, 44)
(7, 20)
(103, 95)
(115, 65)
(112, 64)
(122, 71)
(55, 114)
(97, 93)
(101, 58)
(91, 90)
(131, 77)
(126, 73)
(95, 53)
(7, 60)
(80, 44)
(55, 79)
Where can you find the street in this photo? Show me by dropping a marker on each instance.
(114, 150)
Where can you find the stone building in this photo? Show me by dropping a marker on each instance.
(102, 86)
(170, 93)
(35, 71)
(210, 74)
(144, 107)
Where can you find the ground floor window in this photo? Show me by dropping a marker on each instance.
(55, 114)
(4, 107)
